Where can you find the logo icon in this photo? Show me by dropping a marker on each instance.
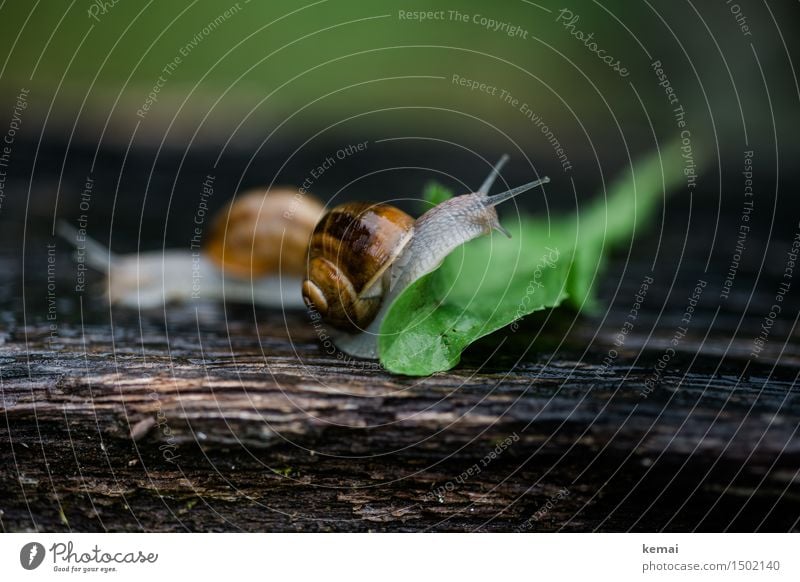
(31, 555)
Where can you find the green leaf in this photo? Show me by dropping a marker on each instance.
(435, 194)
(494, 281)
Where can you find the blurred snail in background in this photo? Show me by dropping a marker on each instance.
(254, 251)
(362, 256)
(258, 234)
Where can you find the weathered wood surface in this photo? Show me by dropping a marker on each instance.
(202, 419)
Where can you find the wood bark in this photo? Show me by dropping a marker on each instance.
(218, 418)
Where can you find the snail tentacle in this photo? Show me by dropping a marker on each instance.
(489, 181)
(96, 255)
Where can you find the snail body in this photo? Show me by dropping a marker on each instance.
(425, 243)
(254, 252)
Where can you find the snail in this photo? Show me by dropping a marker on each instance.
(254, 251)
(357, 258)
(362, 256)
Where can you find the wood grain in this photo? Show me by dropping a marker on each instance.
(211, 417)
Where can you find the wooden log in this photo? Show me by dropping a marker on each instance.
(210, 417)
(148, 424)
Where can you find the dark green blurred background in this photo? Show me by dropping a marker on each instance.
(326, 61)
(265, 91)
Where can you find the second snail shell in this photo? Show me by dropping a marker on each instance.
(263, 232)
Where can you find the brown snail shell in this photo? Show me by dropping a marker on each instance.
(349, 256)
(263, 232)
